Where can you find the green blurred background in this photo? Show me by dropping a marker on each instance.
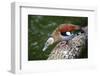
(39, 29)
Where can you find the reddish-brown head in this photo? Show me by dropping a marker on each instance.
(68, 28)
(56, 34)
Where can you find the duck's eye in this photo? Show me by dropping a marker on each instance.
(65, 33)
(68, 33)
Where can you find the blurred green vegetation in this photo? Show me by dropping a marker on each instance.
(39, 29)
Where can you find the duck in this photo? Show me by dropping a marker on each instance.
(64, 32)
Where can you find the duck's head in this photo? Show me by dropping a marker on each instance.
(62, 32)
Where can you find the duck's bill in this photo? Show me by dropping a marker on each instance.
(44, 49)
(50, 41)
